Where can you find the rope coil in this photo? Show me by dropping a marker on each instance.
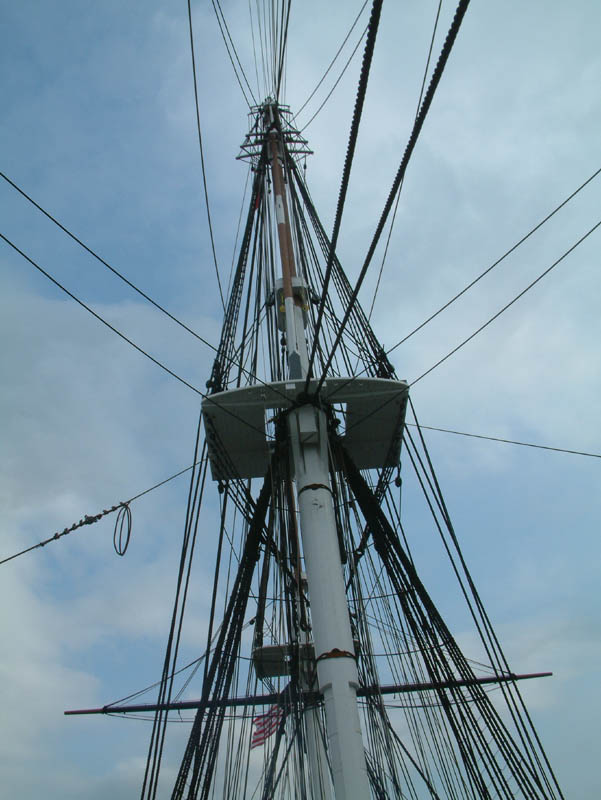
(122, 531)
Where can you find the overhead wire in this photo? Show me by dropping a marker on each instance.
(506, 306)
(484, 325)
(90, 519)
(492, 645)
(333, 61)
(495, 263)
(202, 158)
(252, 34)
(117, 273)
(129, 341)
(336, 82)
(106, 264)
(420, 119)
(282, 53)
(122, 530)
(86, 520)
(261, 24)
(221, 21)
(101, 319)
(482, 274)
(509, 441)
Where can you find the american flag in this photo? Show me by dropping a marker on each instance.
(266, 724)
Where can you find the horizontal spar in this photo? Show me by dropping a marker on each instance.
(308, 697)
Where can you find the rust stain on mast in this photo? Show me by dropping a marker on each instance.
(282, 217)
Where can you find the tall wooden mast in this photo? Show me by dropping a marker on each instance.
(308, 434)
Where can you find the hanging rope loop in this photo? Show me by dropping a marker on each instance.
(122, 531)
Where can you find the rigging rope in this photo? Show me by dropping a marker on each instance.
(230, 359)
(90, 519)
(333, 61)
(427, 626)
(501, 661)
(99, 318)
(202, 158)
(398, 197)
(202, 745)
(282, 54)
(233, 361)
(223, 24)
(509, 441)
(508, 305)
(105, 263)
(132, 343)
(439, 658)
(252, 34)
(495, 263)
(159, 728)
(434, 82)
(337, 81)
(346, 173)
(483, 326)
(86, 520)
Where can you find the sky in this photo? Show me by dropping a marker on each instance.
(99, 128)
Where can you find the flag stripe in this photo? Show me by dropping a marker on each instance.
(265, 725)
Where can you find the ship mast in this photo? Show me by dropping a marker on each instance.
(378, 405)
(335, 565)
(307, 429)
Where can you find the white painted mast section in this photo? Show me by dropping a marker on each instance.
(332, 633)
(319, 772)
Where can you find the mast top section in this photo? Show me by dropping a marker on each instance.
(264, 118)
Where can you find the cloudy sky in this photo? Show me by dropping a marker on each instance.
(99, 128)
